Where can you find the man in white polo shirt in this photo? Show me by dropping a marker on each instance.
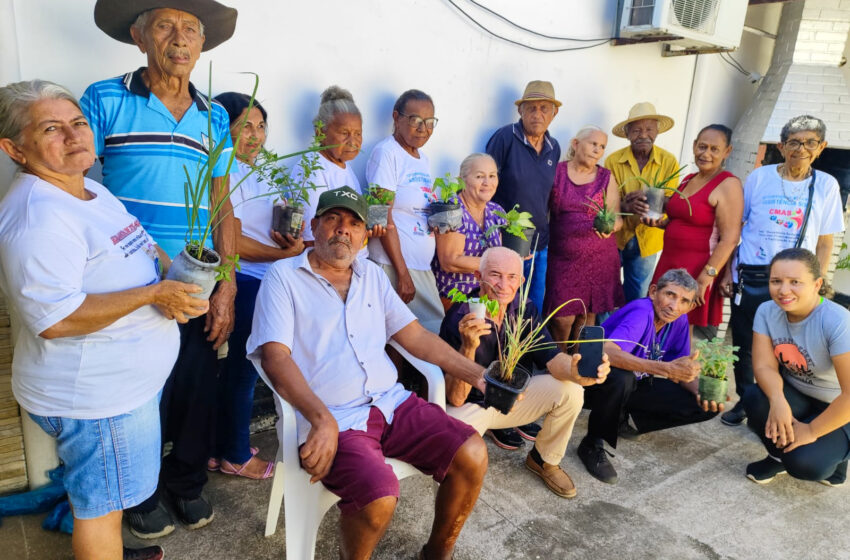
(321, 323)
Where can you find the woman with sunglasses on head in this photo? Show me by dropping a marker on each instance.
(785, 205)
(397, 164)
(801, 359)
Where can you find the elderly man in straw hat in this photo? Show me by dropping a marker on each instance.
(147, 125)
(638, 242)
(526, 156)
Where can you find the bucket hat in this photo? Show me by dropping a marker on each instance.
(538, 90)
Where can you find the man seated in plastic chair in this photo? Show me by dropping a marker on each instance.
(322, 321)
(555, 392)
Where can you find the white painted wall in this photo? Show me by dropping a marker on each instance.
(377, 49)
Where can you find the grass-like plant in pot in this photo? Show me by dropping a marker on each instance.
(445, 213)
(379, 201)
(656, 190)
(517, 231)
(714, 358)
(605, 218)
(481, 305)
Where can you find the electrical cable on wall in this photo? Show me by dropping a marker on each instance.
(518, 26)
(520, 44)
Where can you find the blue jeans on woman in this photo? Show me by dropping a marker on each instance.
(815, 461)
(238, 379)
(637, 270)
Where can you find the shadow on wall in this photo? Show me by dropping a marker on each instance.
(504, 112)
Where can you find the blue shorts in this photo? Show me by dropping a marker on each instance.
(110, 463)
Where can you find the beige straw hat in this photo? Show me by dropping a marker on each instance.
(538, 90)
(640, 111)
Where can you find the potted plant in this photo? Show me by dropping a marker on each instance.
(481, 306)
(714, 358)
(445, 213)
(379, 201)
(518, 230)
(605, 219)
(656, 190)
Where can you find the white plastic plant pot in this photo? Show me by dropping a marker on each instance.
(477, 307)
(188, 269)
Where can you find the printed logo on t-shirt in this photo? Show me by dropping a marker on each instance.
(132, 238)
(787, 218)
(794, 359)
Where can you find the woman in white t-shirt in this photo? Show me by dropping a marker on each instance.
(397, 164)
(98, 338)
(775, 202)
(801, 359)
(258, 246)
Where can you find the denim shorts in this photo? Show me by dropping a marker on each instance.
(110, 463)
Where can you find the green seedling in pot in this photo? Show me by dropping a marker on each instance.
(376, 196)
(656, 190)
(446, 188)
(605, 218)
(516, 222)
(714, 358)
(491, 306)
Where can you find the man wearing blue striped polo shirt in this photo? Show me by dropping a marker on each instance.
(148, 125)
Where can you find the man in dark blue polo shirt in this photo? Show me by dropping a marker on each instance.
(526, 156)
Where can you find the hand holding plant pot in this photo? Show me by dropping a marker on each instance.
(481, 306)
(446, 213)
(380, 202)
(605, 219)
(518, 230)
(655, 193)
(715, 358)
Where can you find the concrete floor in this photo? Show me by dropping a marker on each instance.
(682, 495)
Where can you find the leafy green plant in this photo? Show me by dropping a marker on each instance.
(844, 262)
(605, 219)
(491, 305)
(375, 195)
(715, 356)
(280, 178)
(516, 222)
(661, 183)
(447, 188)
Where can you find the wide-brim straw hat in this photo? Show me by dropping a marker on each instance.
(114, 17)
(640, 111)
(538, 90)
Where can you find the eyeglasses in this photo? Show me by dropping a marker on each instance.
(810, 144)
(416, 121)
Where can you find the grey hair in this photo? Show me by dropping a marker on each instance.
(803, 123)
(466, 164)
(583, 133)
(142, 21)
(15, 101)
(493, 251)
(678, 277)
(335, 101)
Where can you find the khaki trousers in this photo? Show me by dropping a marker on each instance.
(560, 401)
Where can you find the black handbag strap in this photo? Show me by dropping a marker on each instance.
(808, 211)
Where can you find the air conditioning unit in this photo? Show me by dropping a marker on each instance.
(693, 23)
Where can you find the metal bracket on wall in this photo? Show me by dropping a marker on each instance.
(670, 51)
(620, 41)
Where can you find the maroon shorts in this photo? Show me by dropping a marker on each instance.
(421, 434)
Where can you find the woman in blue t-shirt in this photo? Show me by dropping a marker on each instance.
(800, 406)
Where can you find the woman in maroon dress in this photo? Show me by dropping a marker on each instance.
(583, 263)
(701, 238)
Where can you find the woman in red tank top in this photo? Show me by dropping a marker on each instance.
(701, 238)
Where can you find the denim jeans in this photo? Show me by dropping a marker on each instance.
(238, 379)
(637, 270)
(538, 282)
(110, 463)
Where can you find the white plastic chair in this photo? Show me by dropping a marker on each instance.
(305, 504)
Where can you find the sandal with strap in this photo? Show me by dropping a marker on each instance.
(213, 464)
(229, 468)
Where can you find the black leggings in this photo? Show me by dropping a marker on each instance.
(815, 461)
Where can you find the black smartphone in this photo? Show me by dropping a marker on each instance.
(591, 352)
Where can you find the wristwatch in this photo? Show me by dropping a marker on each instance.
(710, 270)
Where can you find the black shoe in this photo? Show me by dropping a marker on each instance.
(147, 553)
(506, 439)
(838, 478)
(529, 431)
(151, 525)
(193, 513)
(594, 456)
(734, 417)
(762, 472)
(627, 431)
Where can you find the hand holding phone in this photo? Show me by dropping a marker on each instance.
(591, 352)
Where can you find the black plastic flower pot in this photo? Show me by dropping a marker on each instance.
(655, 199)
(518, 244)
(377, 215)
(502, 395)
(287, 219)
(445, 216)
(712, 389)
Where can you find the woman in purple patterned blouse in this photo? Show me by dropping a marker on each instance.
(458, 252)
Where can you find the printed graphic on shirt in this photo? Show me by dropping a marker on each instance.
(795, 360)
(132, 238)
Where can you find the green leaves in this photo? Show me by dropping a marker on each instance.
(447, 187)
(491, 304)
(222, 271)
(375, 195)
(517, 222)
(714, 357)
(280, 178)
